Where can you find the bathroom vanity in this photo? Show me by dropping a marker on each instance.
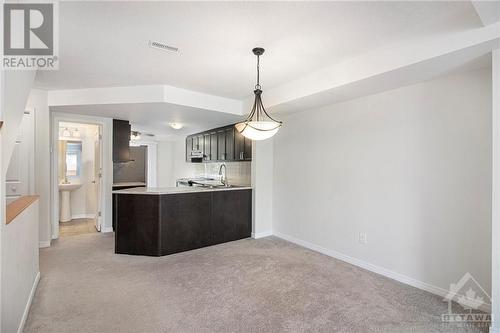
(161, 221)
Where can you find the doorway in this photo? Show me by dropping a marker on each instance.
(79, 177)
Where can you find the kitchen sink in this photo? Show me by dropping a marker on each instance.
(222, 185)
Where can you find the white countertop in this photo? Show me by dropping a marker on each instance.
(173, 190)
(125, 184)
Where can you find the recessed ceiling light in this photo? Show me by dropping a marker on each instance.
(135, 135)
(162, 46)
(176, 125)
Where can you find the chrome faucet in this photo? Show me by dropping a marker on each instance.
(223, 177)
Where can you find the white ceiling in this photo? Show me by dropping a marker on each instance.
(105, 44)
(153, 118)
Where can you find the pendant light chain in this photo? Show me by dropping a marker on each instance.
(257, 86)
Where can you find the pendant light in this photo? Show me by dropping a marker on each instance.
(258, 125)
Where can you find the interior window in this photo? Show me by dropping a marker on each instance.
(73, 158)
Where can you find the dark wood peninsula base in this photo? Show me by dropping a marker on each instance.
(164, 223)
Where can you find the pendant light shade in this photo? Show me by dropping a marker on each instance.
(259, 125)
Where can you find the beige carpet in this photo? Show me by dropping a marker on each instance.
(266, 285)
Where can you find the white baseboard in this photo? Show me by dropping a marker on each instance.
(82, 216)
(43, 244)
(106, 229)
(28, 304)
(372, 268)
(262, 234)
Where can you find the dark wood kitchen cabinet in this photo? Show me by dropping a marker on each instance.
(188, 226)
(189, 148)
(224, 144)
(229, 153)
(161, 224)
(242, 147)
(121, 140)
(199, 142)
(231, 224)
(213, 146)
(221, 145)
(207, 148)
(210, 146)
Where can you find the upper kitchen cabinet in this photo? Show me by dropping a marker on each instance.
(206, 147)
(242, 147)
(189, 148)
(223, 144)
(229, 151)
(213, 146)
(121, 140)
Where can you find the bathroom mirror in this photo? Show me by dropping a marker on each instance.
(70, 153)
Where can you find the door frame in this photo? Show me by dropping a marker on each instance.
(98, 181)
(105, 190)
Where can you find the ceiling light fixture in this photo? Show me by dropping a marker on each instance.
(259, 125)
(176, 126)
(66, 132)
(135, 135)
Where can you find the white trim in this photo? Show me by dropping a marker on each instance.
(106, 229)
(372, 268)
(28, 304)
(262, 234)
(82, 216)
(43, 244)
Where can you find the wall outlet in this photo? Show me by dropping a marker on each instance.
(362, 238)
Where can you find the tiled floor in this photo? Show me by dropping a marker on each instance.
(77, 227)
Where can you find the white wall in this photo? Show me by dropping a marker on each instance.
(20, 270)
(14, 90)
(181, 168)
(152, 160)
(38, 102)
(262, 183)
(410, 167)
(165, 175)
(17, 86)
(495, 220)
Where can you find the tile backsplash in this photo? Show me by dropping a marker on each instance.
(237, 173)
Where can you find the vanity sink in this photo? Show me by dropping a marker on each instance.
(69, 186)
(65, 202)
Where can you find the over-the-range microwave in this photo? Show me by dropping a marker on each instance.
(196, 156)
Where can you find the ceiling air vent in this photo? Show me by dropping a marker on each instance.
(161, 46)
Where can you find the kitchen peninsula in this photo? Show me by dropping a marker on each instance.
(161, 221)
